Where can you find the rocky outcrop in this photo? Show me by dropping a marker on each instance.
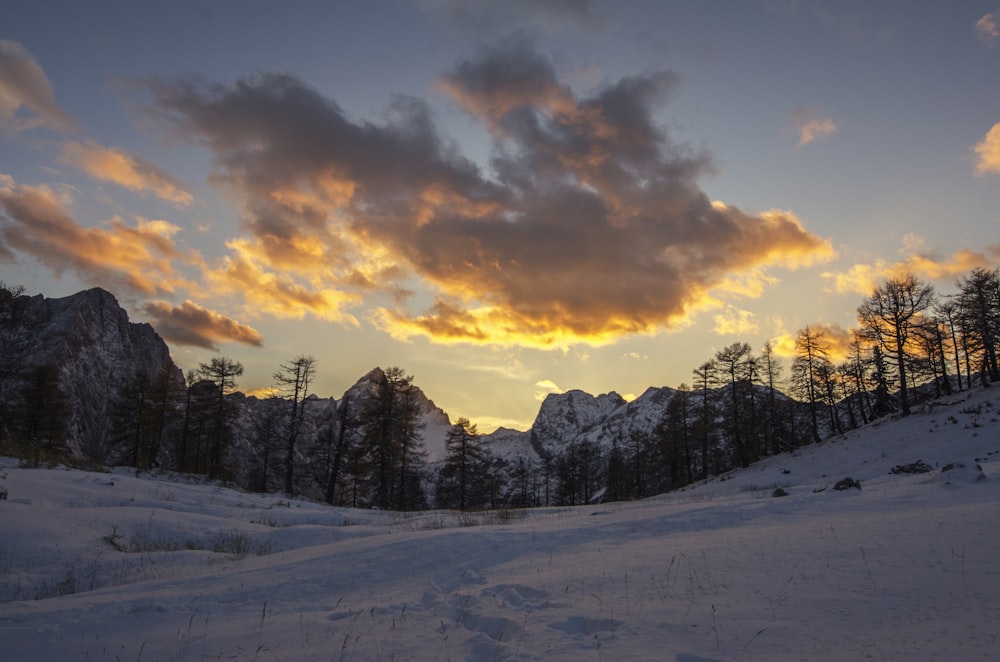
(97, 355)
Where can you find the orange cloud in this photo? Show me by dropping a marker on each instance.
(275, 293)
(590, 225)
(191, 324)
(119, 167)
(835, 339)
(138, 257)
(811, 126)
(24, 87)
(862, 278)
(988, 152)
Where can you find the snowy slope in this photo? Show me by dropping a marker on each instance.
(110, 566)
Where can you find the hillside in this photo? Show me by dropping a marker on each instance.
(157, 567)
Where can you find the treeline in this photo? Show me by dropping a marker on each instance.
(910, 345)
(368, 449)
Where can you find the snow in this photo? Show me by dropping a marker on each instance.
(97, 566)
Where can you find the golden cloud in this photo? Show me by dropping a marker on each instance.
(733, 321)
(590, 227)
(191, 324)
(139, 257)
(127, 170)
(988, 152)
(835, 340)
(862, 278)
(275, 293)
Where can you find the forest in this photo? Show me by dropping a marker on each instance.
(367, 449)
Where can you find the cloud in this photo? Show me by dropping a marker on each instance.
(810, 126)
(733, 321)
(545, 387)
(589, 226)
(835, 339)
(988, 152)
(273, 292)
(988, 28)
(137, 257)
(862, 278)
(26, 97)
(119, 167)
(190, 324)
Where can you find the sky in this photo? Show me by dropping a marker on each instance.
(505, 199)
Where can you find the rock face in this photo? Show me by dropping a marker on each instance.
(96, 353)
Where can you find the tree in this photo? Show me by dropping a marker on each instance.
(221, 372)
(808, 370)
(461, 480)
(337, 455)
(979, 312)
(391, 440)
(294, 379)
(703, 378)
(40, 415)
(948, 312)
(733, 368)
(888, 315)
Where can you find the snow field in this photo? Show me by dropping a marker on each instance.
(117, 567)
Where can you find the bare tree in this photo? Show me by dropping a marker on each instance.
(294, 379)
(807, 371)
(888, 316)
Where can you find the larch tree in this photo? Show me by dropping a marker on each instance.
(293, 380)
(808, 371)
(888, 316)
(221, 372)
(979, 311)
(461, 478)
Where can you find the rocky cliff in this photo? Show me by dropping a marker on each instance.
(94, 353)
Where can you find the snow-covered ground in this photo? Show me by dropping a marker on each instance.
(100, 566)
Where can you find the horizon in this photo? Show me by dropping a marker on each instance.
(505, 200)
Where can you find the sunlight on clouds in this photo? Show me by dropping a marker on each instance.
(835, 339)
(451, 323)
(788, 250)
(733, 321)
(140, 257)
(589, 226)
(988, 152)
(276, 294)
(862, 278)
(117, 166)
(546, 387)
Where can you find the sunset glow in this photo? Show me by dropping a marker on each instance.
(498, 198)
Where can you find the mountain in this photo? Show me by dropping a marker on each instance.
(91, 352)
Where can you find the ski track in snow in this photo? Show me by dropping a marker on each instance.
(907, 568)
